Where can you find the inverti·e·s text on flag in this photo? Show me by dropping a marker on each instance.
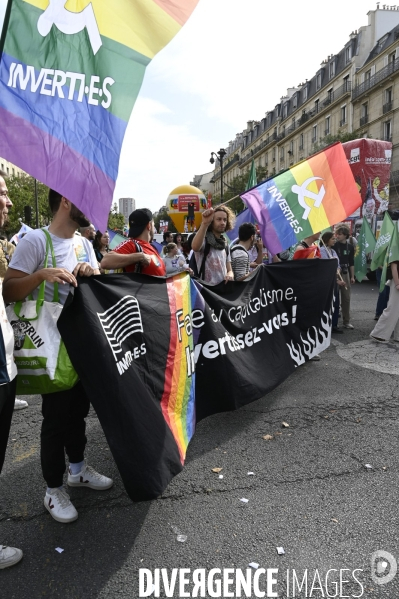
(365, 244)
(69, 78)
(305, 199)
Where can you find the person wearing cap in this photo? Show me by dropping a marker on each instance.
(136, 254)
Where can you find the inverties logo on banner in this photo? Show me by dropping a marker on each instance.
(304, 193)
(69, 22)
(120, 322)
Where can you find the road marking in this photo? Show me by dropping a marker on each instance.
(371, 355)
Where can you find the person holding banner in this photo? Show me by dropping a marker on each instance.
(346, 255)
(211, 246)
(8, 372)
(328, 253)
(136, 254)
(64, 412)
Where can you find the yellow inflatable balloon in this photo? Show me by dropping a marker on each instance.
(184, 206)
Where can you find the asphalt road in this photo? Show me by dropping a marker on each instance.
(310, 492)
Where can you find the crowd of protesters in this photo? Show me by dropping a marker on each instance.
(207, 254)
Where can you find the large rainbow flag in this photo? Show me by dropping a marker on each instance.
(305, 199)
(70, 74)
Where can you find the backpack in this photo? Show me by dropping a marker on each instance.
(199, 274)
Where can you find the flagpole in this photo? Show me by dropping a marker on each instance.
(5, 27)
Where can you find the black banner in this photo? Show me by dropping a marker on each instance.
(156, 355)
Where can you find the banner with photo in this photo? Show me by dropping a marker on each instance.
(156, 356)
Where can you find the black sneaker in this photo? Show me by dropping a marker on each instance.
(337, 330)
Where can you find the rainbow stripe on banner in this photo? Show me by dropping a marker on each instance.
(307, 198)
(178, 399)
(70, 74)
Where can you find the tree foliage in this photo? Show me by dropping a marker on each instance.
(163, 215)
(330, 139)
(22, 193)
(115, 219)
(237, 186)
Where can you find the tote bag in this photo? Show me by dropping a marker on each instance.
(40, 355)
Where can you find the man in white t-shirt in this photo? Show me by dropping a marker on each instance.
(8, 372)
(64, 412)
(211, 245)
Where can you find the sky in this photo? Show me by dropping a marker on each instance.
(230, 63)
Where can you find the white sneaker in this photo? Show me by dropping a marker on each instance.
(88, 477)
(20, 404)
(9, 556)
(58, 503)
(348, 326)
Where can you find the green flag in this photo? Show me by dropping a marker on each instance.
(382, 242)
(365, 244)
(391, 255)
(252, 180)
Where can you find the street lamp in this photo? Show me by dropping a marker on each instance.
(220, 155)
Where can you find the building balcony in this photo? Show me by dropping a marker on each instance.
(387, 107)
(382, 74)
(364, 120)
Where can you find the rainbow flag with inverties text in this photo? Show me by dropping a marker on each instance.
(70, 74)
(305, 199)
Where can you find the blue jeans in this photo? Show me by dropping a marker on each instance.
(383, 296)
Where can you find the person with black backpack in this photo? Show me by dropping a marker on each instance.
(211, 258)
(240, 259)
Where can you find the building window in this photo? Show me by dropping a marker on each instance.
(266, 160)
(388, 104)
(327, 129)
(391, 57)
(364, 119)
(2, 167)
(13, 171)
(274, 155)
(285, 110)
(305, 93)
(295, 101)
(314, 134)
(348, 54)
(343, 115)
(346, 83)
(387, 131)
(281, 153)
(318, 81)
(316, 106)
(291, 150)
(301, 141)
(331, 69)
(8, 171)
(367, 75)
